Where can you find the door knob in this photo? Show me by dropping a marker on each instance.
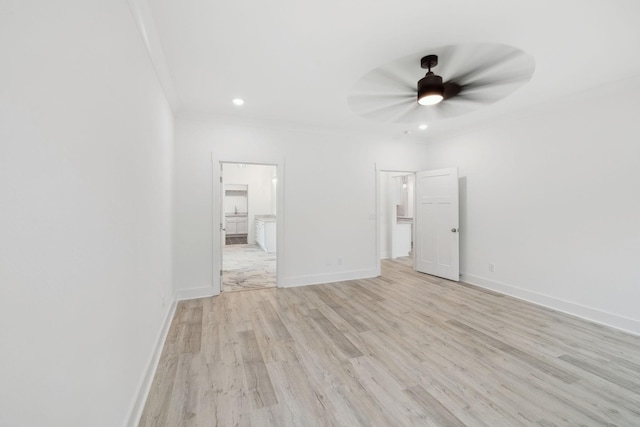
(454, 230)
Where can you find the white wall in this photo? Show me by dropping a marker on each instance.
(327, 184)
(551, 197)
(85, 219)
(258, 178)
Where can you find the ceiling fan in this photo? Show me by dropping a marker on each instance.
(469, 77)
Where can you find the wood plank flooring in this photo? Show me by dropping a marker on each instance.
(404, 349)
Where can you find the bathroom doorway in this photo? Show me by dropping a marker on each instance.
(397, 208)
(248, 240)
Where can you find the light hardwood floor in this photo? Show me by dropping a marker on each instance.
(401, 349)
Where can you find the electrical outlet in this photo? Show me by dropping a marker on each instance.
(492, 267)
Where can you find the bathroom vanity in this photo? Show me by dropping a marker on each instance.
(266, 232)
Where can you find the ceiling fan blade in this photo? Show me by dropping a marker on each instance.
(455, 107)
(451, 59)
(485, 98)
(386, 77)
(376, 98)
(497, 80)
(450, 90)
(479, 66)
(417, 114)
(380, 106)
(446, 54)
(389, 112)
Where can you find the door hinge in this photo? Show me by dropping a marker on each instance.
(220, 180)
(220, 273)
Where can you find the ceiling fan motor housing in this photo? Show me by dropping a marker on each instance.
(430, 85)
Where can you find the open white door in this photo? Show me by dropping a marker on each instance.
(436, 221)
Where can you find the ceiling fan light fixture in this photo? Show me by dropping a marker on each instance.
(430, 99)
(430, 89)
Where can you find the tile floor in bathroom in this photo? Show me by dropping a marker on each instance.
(247, 267)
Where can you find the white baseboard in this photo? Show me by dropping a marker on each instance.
(316, 279)
(143, 389)
(598, 316)
(194, 293)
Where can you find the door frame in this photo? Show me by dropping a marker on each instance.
(378, 215)
(218, 216)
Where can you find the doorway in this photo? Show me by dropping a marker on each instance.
(397, 213)
(431, 207)
(248, 238)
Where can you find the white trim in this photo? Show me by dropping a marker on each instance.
(280, 223)
(194, 293)
(598, 316)
(135, 412)
(316, 279)
(144, 19)
(378, 248)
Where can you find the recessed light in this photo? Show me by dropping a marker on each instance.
(423, 127)
(407, 132)
(238, 101)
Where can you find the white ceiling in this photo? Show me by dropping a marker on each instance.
(294, 62)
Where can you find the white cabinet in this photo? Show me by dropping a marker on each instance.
(231, 225)
(266, 234)
(236, 225)
(401, 240)
(241, 225)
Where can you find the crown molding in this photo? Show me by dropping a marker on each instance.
(144, 19)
